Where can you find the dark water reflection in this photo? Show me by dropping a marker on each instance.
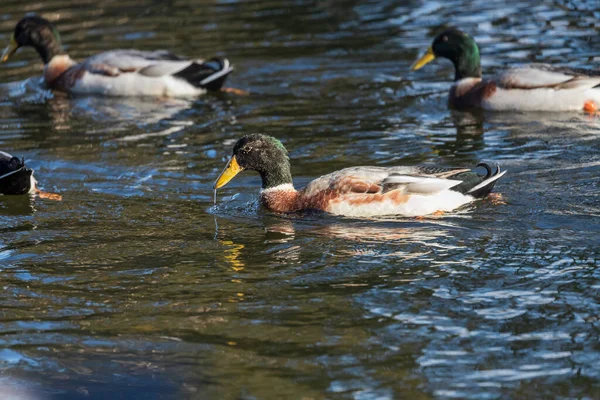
(137, 286)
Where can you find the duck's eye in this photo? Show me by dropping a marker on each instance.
(444, 38)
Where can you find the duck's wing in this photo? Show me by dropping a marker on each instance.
(208, 74)
(544, 76)
(421, 180)
(374, 180)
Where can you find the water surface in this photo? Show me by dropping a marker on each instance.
(137, 286)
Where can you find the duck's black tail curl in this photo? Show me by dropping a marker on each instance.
(486, 184)
(209, 75)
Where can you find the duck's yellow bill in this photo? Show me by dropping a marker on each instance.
(231, 169)
(9, 50)
(427, 57)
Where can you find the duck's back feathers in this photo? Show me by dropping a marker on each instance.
(417, 179)
(416, 184)
(534, 87)
(540, 76)
(409, 191)
(135, 72)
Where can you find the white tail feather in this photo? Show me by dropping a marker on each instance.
(421, 185)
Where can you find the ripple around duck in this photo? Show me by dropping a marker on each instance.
(137, 271)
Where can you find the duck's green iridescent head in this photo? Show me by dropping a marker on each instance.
(38, 33)
(261, 153)
(458, 47)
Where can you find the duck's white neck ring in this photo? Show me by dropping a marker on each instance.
(283, 187)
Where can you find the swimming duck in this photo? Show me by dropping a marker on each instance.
(15, 177)
(356, 191)
(533, 87)
(118, 72)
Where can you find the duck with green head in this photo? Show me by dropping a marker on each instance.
(117, 72)
(533, 87)
(356, 191)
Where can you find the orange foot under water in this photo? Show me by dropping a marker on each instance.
(437, 213)
(590, 107)
(239, 92)
(496, 199)
(49, 196)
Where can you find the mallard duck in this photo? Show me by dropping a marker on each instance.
(533, 87)
(118, 72)
(356, 191)
(15, 177)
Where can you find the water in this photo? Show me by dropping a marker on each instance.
(137, 286)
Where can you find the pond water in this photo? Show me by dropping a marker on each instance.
(136, 286)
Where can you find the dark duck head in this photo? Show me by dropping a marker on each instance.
(458, 47)
(15, 177)
(261, 153)
(38, 33)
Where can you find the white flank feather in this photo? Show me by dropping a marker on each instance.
(417, 205)
(570, 93)
(134, 84)
(421, 184)
(541, 99)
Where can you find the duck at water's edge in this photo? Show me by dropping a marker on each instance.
(118, 72)
(15, 177)
(356, 191)
(533, 87)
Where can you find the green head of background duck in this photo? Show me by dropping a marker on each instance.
(38, 33)
(458, 47)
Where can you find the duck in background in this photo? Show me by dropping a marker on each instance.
(17, 179)
(533, 87)
(118, 72)
(356, 191)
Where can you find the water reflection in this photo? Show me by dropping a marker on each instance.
(17, 205)
(62, 108)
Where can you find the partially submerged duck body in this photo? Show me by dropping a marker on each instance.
(356, 191)
(533, 87)
(118, 72)
(15, 177)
